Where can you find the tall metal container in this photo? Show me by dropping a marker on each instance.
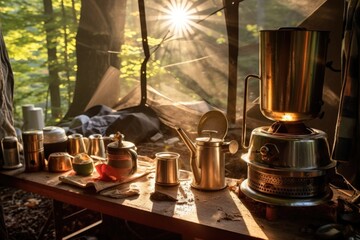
(292, 69)
(34, 150)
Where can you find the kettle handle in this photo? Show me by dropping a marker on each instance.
(134, 156)
(243, 135)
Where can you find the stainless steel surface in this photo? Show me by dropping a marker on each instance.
(308, 151)
(10, 153)
(59, 162)
(292, 69)
(285, 201)
(287, 168)
(286, 184)
(77, 144)
(53, 134)
(167, 168)
(96, 145)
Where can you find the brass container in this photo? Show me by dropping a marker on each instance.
(292, 69)
(33, 150)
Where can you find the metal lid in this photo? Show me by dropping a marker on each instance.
(33, 135)
(54, 134)
(114, 148)
(213, 120)
(9, 142)
(209, 142)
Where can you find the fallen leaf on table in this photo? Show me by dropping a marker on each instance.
(158, 196)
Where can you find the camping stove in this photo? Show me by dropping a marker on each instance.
(289, 163)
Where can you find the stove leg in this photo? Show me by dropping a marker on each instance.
(272, 212)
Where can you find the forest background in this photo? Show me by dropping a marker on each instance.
(53, 71)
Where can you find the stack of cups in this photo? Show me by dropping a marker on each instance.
(33, 150)
(33, 117)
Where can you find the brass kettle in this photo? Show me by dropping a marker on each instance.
(207, 154)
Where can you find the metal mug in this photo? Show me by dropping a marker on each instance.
(10, 153)
(167, 168)
(77, 144)
(96, 145)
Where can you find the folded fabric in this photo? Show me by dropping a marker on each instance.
(137, 124)
(123, 192)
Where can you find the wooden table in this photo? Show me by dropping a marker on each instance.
(204, 215)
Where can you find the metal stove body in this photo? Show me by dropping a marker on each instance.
(287, 168)
(289, 163)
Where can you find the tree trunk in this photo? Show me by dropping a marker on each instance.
(54, 80)
(99, 39)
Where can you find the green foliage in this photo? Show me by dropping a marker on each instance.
(23, 28)
(171, 63)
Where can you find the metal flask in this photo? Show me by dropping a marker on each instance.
(207, 154)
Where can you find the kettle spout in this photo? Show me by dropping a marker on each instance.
(190, 145)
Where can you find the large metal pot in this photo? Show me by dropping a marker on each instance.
(292, 69)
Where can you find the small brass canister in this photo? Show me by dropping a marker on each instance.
(34, 150)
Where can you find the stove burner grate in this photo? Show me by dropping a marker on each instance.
(291, 128)
(286, 186)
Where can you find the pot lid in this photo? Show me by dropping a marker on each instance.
(209, 141)
(54, 134)
(114, 148)
(215, 121)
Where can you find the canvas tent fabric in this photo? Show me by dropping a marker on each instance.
(6, 93)
(347, 143)
(6, 111)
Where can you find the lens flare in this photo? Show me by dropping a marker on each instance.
(180, 16)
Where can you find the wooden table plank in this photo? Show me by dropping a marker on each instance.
(203, 215)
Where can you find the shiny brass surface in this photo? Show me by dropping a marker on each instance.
(167, 168)
(77, 144)
(292, 68)
(207, 160)
(59, 162)
(96, 145)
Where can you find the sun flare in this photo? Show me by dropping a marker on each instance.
(179, 17)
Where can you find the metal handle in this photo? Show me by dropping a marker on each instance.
(210, 133)
(243, 140)
(134, 155)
